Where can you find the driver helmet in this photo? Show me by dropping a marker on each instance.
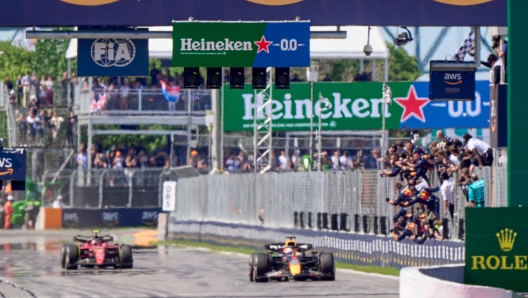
(288, 251)
(94, 241)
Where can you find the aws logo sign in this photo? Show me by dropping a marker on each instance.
(453, 78)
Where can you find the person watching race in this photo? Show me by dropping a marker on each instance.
(476, 192)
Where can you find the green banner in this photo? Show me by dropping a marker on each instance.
(497, 248)
(353, 106)
(237, 44)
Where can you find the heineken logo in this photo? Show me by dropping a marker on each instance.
(188, 44)
(300, 109)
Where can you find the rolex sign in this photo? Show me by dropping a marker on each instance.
(497, 248)
(112, 57)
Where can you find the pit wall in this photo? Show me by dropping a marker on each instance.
(444, 282)
(347, 247)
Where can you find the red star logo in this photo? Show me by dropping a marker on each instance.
(412, 105)
(263, 45)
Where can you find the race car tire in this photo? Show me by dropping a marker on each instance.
(327, 266)
(261, 261)
(71, 257)
(125, 256)
(251, 265)
(63, 256)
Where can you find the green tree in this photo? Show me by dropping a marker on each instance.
(14, 61)
(49, 58)
(402, 67)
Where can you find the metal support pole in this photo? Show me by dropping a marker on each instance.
(320, 137)
(215, 160)
(373, 74)
(386, 70)
(69, 69)
(172, 151)
(89, 155)
(255, 131)
(383, 108)
(503, 62)
(221, 157)
(189, 119)
(101, 189)
(361, 66)
(130, 191)
(311, 123)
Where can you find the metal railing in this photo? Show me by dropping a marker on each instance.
(142, 102)
(107, 188)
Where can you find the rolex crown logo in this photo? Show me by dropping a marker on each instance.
(506, 239)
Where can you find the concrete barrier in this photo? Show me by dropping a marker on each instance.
(443, 282)
(49, 219)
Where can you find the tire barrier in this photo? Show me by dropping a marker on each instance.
(347, 247)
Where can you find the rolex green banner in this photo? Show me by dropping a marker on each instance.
(355, 106)
(237, 44)
(497, 248)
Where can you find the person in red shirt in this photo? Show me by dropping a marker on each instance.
(8, 211)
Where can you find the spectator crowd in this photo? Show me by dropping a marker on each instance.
(414, 165)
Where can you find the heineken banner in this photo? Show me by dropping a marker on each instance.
(357, 106)
(497, 248)
(241, 44)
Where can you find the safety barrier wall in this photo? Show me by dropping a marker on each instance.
(98, 218)
(347, 247)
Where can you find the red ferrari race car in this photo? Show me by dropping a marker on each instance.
(92, 251)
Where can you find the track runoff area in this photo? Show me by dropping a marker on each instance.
(30, 266)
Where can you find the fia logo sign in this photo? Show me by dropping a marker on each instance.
(118, 52)
(450, 77)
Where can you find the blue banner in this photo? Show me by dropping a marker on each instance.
(112, 57)
(451, 114)
(52, 13)
(12, 165)
(289, 46)
(110, 218)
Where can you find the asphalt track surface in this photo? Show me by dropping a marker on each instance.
(29, 267)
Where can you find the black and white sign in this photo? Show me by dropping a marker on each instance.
(169, 196)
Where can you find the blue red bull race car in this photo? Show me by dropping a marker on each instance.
(95, 251)
(291, 261)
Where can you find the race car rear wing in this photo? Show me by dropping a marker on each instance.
(80, 238)
(277, 247)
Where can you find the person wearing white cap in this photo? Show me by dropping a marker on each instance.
(58, 203)
(8, 210)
